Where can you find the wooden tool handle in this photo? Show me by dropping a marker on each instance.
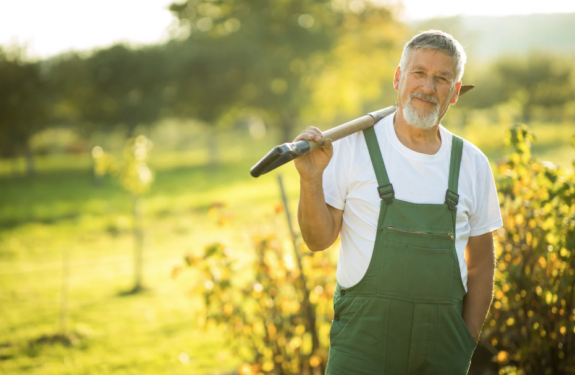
(352, 126)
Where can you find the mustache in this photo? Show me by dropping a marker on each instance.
(419, 95)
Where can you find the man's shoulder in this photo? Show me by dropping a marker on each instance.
(358, 138)
(475, 155)
(349, 143)
(472, 153)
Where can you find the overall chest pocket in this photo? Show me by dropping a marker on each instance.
(411, 270)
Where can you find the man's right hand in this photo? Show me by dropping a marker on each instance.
(311, 165)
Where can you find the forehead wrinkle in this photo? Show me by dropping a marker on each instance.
(421, 67)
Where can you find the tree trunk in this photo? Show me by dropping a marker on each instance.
(138, 244)
(29, 157)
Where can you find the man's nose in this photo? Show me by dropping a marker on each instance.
(428, 86)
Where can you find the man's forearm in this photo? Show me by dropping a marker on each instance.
(478, 298)
(316, 222)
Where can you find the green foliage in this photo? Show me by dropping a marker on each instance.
(104, 163)
(532, 322)
(115, 86)
(278, 60)
(135, 175)
(268, 56)
(24, 101)
(133, 172)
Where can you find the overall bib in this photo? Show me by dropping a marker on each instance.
(405, 315)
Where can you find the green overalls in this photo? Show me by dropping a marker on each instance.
(405, 315)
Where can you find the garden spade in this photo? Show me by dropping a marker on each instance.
(282, 154)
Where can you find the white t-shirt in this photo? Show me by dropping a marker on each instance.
(349, 184)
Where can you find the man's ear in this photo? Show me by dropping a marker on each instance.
(396, 78)
(456, 95)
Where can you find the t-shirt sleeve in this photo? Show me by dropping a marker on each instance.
(487, 215)
(335, 175)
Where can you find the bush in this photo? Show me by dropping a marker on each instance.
(531, 325)
(279, 318)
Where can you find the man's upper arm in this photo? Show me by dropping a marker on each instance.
(479, 252)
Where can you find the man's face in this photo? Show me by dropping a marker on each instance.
(427, 87)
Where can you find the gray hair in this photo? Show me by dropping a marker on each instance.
(437, 40)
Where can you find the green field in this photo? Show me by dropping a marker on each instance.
(61, 210)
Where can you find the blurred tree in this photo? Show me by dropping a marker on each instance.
(358, 74)
(537, 81)
(116, 86)
(204, 83)
(73, 90)
(24, 104)
(263, 55)
(136, 177)
(532, 325)
(128, 85)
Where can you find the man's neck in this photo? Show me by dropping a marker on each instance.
(424, 141)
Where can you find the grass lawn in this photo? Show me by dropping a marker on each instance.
(62, 211)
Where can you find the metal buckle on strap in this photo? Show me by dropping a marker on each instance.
(386, 193)
(451, 199)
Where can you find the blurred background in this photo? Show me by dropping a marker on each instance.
(133, 239)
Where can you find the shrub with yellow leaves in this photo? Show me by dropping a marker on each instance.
(277, 312)
(531, 326)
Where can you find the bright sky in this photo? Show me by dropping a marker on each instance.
(421, 9)
(52, 26)
(48, 27)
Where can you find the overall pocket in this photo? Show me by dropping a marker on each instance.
(455, 342)
(463, 329)
(360, 328)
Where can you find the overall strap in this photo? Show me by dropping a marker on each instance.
(451, 196)
(385, 189)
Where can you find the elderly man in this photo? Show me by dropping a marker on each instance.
(415, 206)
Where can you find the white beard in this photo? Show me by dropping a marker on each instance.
(413, 118)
